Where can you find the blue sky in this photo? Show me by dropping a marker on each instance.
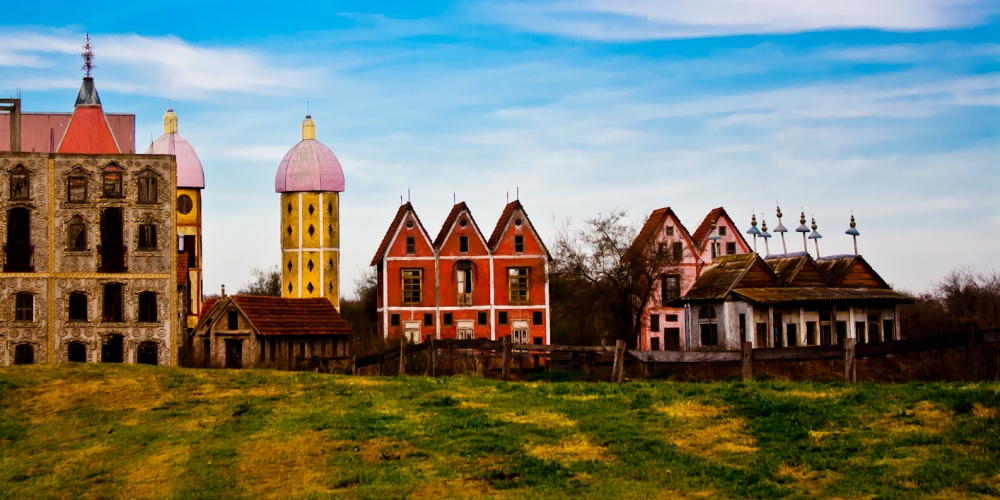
(890, 109)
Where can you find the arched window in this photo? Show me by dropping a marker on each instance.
(113, 306)
(147, 187)
(463, 282)
(24, 354)
(78, 306)
(147, 307)
(113, 181)
(77, 352)
(706, 312)
(76, 186)
(20, 187)
(76, 234)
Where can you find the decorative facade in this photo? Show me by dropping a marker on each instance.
(461, 284)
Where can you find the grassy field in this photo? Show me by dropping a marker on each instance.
(104, 431)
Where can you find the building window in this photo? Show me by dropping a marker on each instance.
(412, 284)
(76, 234)
(731, 248)
(463, 282)
(671, 318)
(76, 188)
(811, 333)
(448, 319)
(536, 318)
(147, 307)
(778, 330)
(112, 182)
(859, 331)
(888, 327)
(428, 319)
(76, 352)
(113, 306)
(502, 318)
(147, 187)
(411, 245)
(518, 282)
(233, 320)
(24, 354)
(481, 318)
(78, 306)
(25, 308)
(874, 329)
(185, 205)
(670, 230)
(19, 249)
(678, 252)
(19, 184)
(394, 320)
(654, 323)
(670, 288)
(112, 249)
(463, 244)
(722, 230)
(709, 328)
(655, 343)
(518, 243)
(147, 236)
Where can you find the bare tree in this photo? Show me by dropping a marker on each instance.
(620, 272)
(360, 310)
(964, 295)
(264, 282)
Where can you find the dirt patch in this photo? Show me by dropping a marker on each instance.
(272, 467)
(576, 448)
(544, 419)
(154, 476)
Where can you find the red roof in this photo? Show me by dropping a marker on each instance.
(504, 221)
(89, 133)
(387, 239)
(705, 227)
(207, 305)
(450, 221)
(182, 269)
(290, 316)
(652, 224)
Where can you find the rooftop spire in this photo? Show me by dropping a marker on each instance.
(88, 57)
(170, 122)
(803, 228)
(815, 236)
(853, 231)
(764, 234)
(754, 231)
(308, 129)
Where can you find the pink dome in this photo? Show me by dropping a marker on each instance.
(189, 172)
(309, 166)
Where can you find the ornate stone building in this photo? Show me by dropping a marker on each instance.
(90, 249)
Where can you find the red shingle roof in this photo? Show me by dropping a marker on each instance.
(387, 239)
(648, 231)
(207, 306)
(450, 221)
(289, 316)
(706, 225)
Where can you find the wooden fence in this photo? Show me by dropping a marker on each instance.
(504, 349)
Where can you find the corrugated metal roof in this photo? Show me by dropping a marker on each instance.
(819, 294)
(720, 277)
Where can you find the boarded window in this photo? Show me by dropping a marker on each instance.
(78, 306)
(112, 182)
(518, 283)
(113, 307)
(463, 244)
(412, 285)
(411, 245)
(25, 308)
(518, 243)
(670, 288)
(147, 188)
(76, 189)
(19, 184)
(147, 307)
(147, 236)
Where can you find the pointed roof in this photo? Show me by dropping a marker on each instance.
(88, 131)
(850, 270)
(504, 221)
(726, 273)
(648, 232)
(281, 316)
(449, 223)
(393, 228)
(705, 228)
(798, 269)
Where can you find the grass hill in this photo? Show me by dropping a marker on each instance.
(106, 431)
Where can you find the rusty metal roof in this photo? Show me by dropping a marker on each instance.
(819, 294)
(787, 266)
(725, 272)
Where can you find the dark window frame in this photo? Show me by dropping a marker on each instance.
(518, 243)
(411, 245)
(147, 307)
(24, 308)
(76, 184)
(147, 236)
(731, 248)
(146, 189)
(113, 303)
(111, 182)
(24, 181)
(79, 309)
(463, 244)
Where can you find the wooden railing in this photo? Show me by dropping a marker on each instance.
(506, 350)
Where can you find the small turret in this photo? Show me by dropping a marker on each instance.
(781, 230)
(803, 228)
(853, 231)
(753, 231)
(815, 236)
(170, 122)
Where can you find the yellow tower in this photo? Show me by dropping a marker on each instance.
(309, 180)
(190, 182)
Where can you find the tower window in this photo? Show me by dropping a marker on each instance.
(78, 306)
(731, 248)
(19, 184)
(312, 230)
(113, 182)
(184, 204)
(311, 209)
(25, 308)
(289, 230)
(147, 236)
(147, 307)
(289, 209)
(519, 243)
(289, 266)
(330, 264)
(411, 245)
(463, 244)
(329, 230)
(310, 264)
(309, 287)
(147, 188)
(329, 209)
(289, 287)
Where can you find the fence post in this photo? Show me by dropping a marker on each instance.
(381, 360)
(506, 358)
(431, 355)
(850, 363)
(354, 364)
(402, 355)
(972, 352)
(746, 371)
(618, 368)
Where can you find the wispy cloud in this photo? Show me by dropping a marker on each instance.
(653, 19)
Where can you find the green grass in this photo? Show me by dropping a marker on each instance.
(102, 431)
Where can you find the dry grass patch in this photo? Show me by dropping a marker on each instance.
(381, 449)
(544, 419)
(581, 397)
(929, 418)
(456, 488)
(808, 482)
(575, 448)
(272, 467)
(472, 405)
(155, 475)
(708, 432)
(110, 393)
(690, 410)
(980, 411)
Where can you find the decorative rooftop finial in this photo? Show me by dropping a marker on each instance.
(803, 228)
(853, 231)
(764, 234)
(754, 231)
(780, 228)
(88, 57)
(815, 236)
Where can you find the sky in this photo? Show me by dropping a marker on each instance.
(887, 109)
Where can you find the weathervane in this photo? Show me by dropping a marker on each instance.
(88, 57)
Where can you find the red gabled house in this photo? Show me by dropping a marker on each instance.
(461, 285)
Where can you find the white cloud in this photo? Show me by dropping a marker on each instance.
(653, 19)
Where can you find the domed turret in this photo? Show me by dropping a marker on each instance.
(309, 179)
(189, 171)
(309, 165)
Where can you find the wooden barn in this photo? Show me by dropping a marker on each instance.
(251, 331)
